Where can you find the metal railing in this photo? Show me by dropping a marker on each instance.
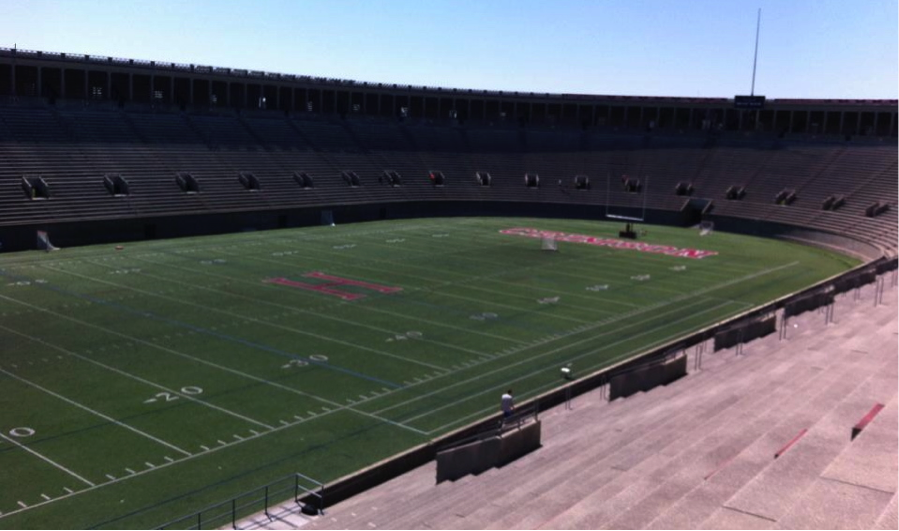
(522, 416)
(669, 355)
(253, 501)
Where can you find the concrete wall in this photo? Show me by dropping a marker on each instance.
(646, 378)
(478, 456)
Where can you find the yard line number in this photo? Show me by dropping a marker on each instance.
(167, 396)
(321, 358)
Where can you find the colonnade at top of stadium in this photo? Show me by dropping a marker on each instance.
(55, 76)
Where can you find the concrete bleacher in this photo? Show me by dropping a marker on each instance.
(75, 146)
(696, 454)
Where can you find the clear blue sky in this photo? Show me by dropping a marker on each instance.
(809, 48)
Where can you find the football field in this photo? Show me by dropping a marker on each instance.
(141, 384)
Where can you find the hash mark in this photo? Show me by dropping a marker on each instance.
(223, 443)
(169, 459)
(204, 447)
(67, 489)
(44, 496)
(23, 505)
(111, 477)
(132, 472)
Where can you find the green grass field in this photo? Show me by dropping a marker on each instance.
(141, 384)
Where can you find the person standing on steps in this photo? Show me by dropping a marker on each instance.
(507, 404)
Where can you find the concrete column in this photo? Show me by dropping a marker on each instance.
(39, 84)
(87, 85)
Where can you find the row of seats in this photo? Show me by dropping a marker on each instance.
(73, 150)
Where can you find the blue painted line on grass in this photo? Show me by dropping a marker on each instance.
(175, 322)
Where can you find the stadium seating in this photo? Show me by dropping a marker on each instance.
(72, 148)
(695, 454)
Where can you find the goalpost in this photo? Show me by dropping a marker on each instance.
(549, 243)
(706, 228)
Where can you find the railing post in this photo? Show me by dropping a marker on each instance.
(266, 503)
(234, 513)
(296, 488)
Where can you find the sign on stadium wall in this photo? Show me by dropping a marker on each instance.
(695, 254)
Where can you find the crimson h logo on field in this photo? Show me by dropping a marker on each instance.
(328, 288)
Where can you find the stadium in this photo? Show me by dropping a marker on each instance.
(288, 300)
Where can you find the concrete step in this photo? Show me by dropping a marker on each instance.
(614, 504)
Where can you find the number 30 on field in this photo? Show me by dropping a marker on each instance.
(167, 396)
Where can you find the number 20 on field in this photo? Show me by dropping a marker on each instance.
(168, 396)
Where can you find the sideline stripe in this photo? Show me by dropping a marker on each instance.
(97, 413)
(553, 384)
(47, 459)
(589, 353)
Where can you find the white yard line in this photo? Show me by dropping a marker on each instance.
(94, 412)
(138, 340)
(188, 458)
(530, 359)
(604, 347)
(119, 371)
(251, 319)
(48, 460)
(215, 365)
(300, 310)
(621, 317)
(430, 286)
(320, 314)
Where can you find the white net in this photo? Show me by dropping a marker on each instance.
(549, 244)
(706, 227)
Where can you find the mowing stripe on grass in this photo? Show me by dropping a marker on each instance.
(423, 289)
(215, 365)
(119, 371)
(680, 298)
(95, 412)
(638, 325)
(318, 313)
(136, 340)
(167, 464)
(48, 460)
(468, 279)
(245, 342)
(304, 311)
(606, 362)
